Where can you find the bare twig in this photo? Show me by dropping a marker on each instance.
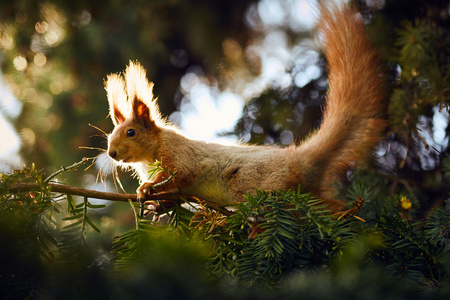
(67, 189)
(65, 169)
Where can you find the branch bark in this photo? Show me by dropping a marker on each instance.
(72, 190)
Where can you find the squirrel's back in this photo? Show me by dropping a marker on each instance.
(352, 122)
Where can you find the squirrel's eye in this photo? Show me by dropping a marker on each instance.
(131, 133)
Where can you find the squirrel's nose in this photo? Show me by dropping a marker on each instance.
(112, 154)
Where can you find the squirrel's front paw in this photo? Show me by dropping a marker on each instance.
(144, 190)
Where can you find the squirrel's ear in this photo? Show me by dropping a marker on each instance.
(141, 113)
(137, 83)
(118, 107)
(140, 93)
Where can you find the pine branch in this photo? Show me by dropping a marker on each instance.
(72, 190)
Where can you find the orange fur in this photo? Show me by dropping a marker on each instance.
(224, 174)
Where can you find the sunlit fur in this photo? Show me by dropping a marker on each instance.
(122, 93)
(105, 165)
(224, 174)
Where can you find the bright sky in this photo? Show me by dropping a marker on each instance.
(205, 113)
(208, 113)
(10, 144)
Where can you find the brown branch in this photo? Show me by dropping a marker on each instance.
(67, 189)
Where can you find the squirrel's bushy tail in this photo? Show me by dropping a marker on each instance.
(352, 121)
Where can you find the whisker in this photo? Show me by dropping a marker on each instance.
(107, 166)
(99, 129)
(100, 176)
(93, 163)
(117, 179)
(104, 164)
(92, 148)
(98, 135)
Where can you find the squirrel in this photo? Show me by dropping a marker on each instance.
(352, 124)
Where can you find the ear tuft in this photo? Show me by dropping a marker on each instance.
(118, 106)
(137, 83)
(139, 92)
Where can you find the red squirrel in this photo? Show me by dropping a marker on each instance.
(351, 126)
